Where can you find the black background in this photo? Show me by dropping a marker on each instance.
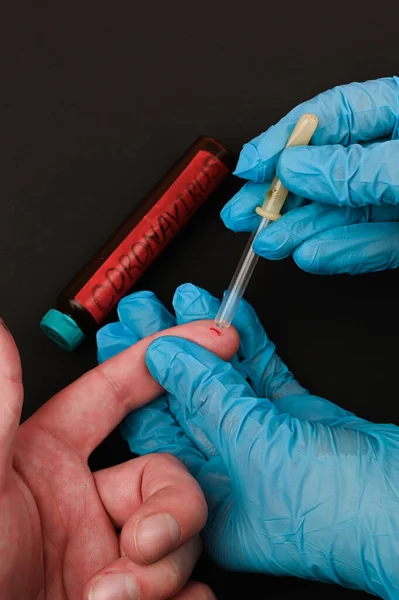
(98, 99)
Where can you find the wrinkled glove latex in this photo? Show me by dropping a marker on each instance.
(295, 484)
(350, 172)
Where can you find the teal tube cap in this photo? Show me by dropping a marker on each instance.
(62, 330)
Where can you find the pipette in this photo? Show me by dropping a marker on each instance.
(269, 211)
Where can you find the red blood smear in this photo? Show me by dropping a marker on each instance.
(219, 333)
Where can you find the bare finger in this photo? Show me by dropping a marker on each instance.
(84, 413)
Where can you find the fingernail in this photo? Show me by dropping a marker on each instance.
(114, 586)
(155, 536)
(247, 159)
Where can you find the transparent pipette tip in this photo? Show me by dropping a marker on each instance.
(222, 322)
(227, 310)
(239, 282)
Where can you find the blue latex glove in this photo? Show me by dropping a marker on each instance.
(295, 484)
(351, 172)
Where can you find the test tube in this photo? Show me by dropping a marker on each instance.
(88, 299)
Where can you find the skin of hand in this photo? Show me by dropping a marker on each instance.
(295, 485)
(343, 213)
(127, 532)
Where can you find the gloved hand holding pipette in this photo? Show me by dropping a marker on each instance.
(295, 485)
(350, 172)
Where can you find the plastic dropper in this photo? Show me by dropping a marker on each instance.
(269, 211)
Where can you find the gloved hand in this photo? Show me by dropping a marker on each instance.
(351, 173)
(295, 485)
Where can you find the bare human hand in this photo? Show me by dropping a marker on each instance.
(128, 532)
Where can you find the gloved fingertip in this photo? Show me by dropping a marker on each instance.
(136, 295)
(187, 290)
(192, 303)
(186, 294)
(225, 215)
(161, 361)
(306, 171)
(249, 327)
(272, 245)
(245, 320)
(288, 162)
(112, 339)
(239, 213)
(115, 331)
(306, 256)
(154, 359)
(165, 346)
(248, 159)
(245, 309)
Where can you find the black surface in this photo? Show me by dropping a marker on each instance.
(98, 99)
